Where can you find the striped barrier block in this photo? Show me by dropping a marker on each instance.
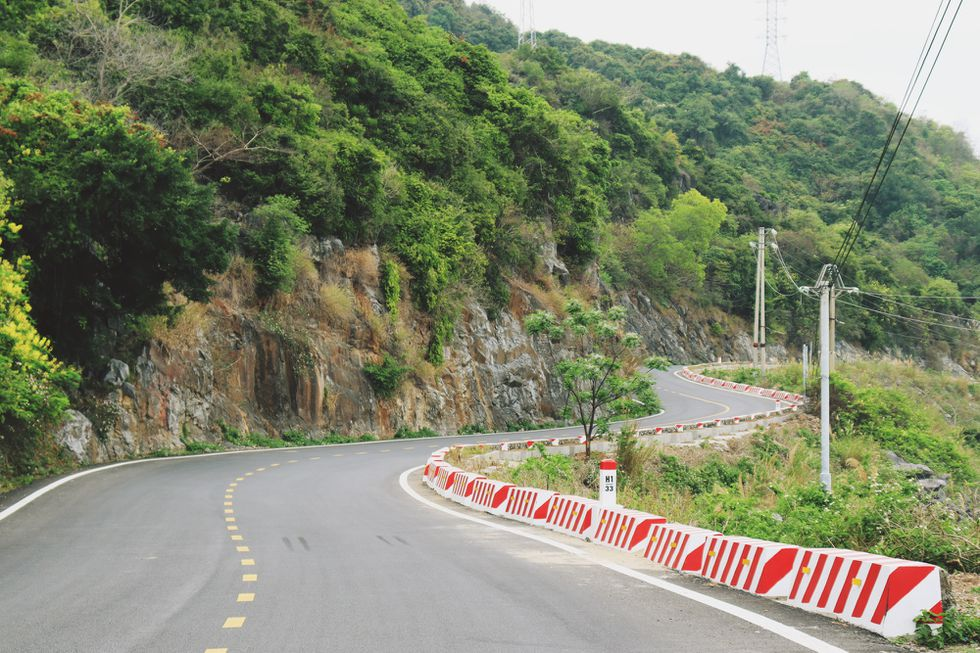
(678, 546)
(463, 487)
(875, 592)
(572, 515)
(529, 505)
(431, 471)
(490, 496)
(444, 479)
(756, 566)
(622, 528)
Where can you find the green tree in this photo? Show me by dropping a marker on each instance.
(272, 244)
(32, 381)
(670, 246)
(603, 374)
(111, 212)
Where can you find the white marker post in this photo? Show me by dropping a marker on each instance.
(607, 482)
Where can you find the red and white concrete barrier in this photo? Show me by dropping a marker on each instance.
(756, 566)
(875, 592)
(490, 496)
(678, 546)
(529, 505)
(622, 528)
(444, 479)
(463, 487)
(573, 516)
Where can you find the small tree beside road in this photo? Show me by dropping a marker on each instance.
(603, 368)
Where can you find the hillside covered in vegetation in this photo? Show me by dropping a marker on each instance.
(149, 144)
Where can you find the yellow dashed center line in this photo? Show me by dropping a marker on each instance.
(246, 597)
(232, 528)
(360, 453)
(248, 562)
(249, 473)
(275, 464)
(315, 458)
(240, 478)
(234, 622)
(242, 549)
(292, 461)
(229, 519)
(229, 496)
(215, 650)
(249, 578)
(408, 448)
(386, 451)
(233, 485)
(229, 511)
(228, 503)
(236, 538)
(260, 469)
(338, 455)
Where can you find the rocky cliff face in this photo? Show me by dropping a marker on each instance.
(297, 363)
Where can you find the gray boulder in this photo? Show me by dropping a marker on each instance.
(75, 435)
(117, 373)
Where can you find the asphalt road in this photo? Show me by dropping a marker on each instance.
(321, 549)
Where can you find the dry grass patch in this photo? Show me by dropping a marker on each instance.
(336, 304)
(186, 328)
(361, 265)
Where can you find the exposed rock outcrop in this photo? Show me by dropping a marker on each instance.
(297, 363)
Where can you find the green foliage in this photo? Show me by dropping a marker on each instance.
(391, 286)
(387, 376)
(665, 249)
(406, 433)
(272, 244)
(544, 471)
(602, 376)
(101, 245)
(957, 628)
(33, 383)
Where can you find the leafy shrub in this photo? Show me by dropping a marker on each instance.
(405, 433)
(472, 429)
(957, 628)
(272, 244)
(385, 377)
(391, 289)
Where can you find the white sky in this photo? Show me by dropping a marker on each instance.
(873, 42)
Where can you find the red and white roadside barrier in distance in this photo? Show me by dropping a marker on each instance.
(875, 592)
(678, 546)
(756, 566)
(529, 505)
(490, 496)
(573, 516)
(622, 528)
(463, 487)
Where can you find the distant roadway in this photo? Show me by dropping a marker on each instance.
(323, 549)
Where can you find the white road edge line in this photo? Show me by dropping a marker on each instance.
(773, 626)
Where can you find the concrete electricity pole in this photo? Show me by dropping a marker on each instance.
(828, 286)
(759, 326)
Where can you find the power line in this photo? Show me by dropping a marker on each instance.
(848, 245)
(865, 292)
(912, 319)
(917, 70)
(883, 298)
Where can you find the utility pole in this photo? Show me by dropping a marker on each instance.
(759, 325)
(828, 286)
(805, 360)
(833, 329)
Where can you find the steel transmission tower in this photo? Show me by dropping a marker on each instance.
(770, 59)
(527, 33)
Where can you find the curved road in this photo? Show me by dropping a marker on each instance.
(321, 549)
